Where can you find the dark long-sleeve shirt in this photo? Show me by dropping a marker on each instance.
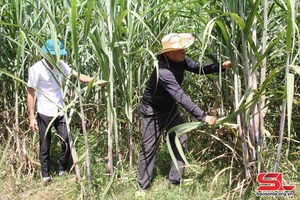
(162, 92)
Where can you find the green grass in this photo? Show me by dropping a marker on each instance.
(207, 182)
(29, 185)
(124, 187)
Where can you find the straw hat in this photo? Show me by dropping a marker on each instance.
(176, 41)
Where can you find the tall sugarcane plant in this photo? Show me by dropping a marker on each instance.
(287, 103)
(251, 50)
(248, 45)
(251, 46)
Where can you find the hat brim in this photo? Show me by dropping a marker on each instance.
(62, 52)
(168, 50)
(189, 41)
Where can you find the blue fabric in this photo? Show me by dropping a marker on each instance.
(49, 47)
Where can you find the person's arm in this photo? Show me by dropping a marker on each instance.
(168, 81)
(66, 69)
(195, 67)
(87, 79)
(83, 77)
(30, 103)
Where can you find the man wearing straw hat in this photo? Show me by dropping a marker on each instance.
(45, 81)
(160, 102)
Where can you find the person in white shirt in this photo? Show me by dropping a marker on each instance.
(44, 81)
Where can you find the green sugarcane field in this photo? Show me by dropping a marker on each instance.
(254, 142)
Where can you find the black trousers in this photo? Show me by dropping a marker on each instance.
(45, 141)
(153, 127)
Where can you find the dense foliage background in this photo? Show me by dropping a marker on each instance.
(256, 102)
